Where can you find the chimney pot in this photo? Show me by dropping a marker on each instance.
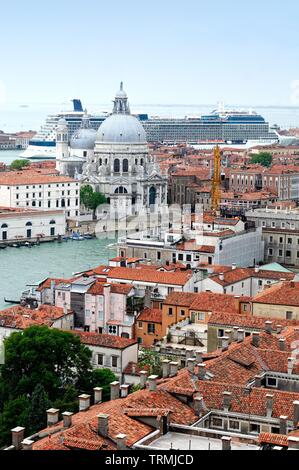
(234, 266)
(103, 421)
(121, 440)
(235, 333)
(174, 367)
(296, 413)
(268, 327)
(27, 444)
(221, 276)
(256, 339)
(241, 335)
(84, 402)
(225, 343)
(226, 443)
(282, 344)
(143, 377)
(189, 354)
(166, 368)
(290, 365)
(67, 419)
(17, 434)
(152, 383)
(124, 390)
(201, 371)
(191, 365)
(199, 358)
(198, 405)
(114, 390)
(293, 443)
(269, 405)
(227, 397)
(278, 329)
(98, 395)
(52, 416)
(283, 425)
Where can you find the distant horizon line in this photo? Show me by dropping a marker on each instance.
(25, 105)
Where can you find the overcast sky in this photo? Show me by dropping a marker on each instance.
(166, 51)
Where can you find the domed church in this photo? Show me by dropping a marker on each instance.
(120, 166)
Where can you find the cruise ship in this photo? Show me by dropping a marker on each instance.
(43, 145)
(223, 127)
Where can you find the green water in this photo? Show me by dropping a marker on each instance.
(22, 266)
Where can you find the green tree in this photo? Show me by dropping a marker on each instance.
(39, 404)
(151, 360)
(19, 164)
(101, 378)
(15, 413)
(91, 199)
(263, 158)
(40, 355)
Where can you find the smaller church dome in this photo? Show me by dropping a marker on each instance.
(84, 139)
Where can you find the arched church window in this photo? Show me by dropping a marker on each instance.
(29, 224)
(152, 196)
(100, 162)
(116, 165)
(125, 165)
(4, 226)
(141, 161)
(121, 190)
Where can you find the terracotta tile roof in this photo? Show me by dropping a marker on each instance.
(171, 278)
(246, 321)
(239, 274)
(107, 341)
(83, 433)
(13, 178)
(151, 315)
(135, 369)
(98, 288)
(47, 283)
(275, 439)
(181, 299)
(210, 302)
(21, 317)
(284, 293)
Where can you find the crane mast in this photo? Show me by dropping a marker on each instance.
(216, 181)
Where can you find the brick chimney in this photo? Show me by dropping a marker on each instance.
(143, 377)
(103, 421)
(17, 436)
(114, 390)
(124, 390)
(234, 266)
(189, 354)
(174, 367)
(121, 441)
(224, 343)
(84, 402)
(52, 416)
(98, 395)
(152, 383)
(221, 276)
(27, 444)
(269, 411)
(283, 425)
(255, 339)
(227, 398)
(166, 368)
(278, 329)
(67, 419)
(226, 443)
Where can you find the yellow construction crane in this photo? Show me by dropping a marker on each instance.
(216, 181)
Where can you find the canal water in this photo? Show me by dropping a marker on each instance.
(22, 266)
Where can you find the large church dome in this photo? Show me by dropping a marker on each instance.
(121, 127)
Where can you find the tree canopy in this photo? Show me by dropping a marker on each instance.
(263, 158)
(19, 164)
(44, 368)
(91, 199)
